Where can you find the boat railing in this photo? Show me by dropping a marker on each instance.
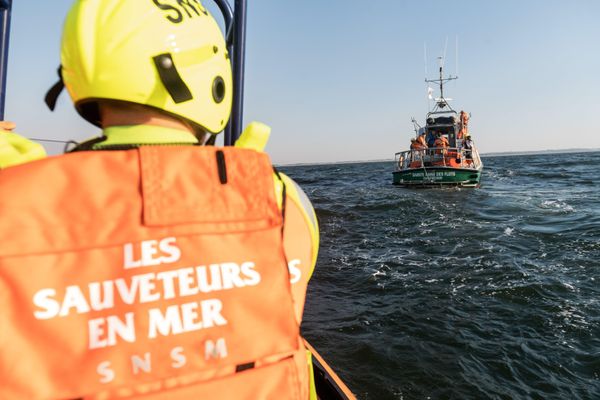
(452, 157)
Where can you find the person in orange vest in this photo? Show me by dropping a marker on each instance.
(414, 145)
(441, 143)
(142, 264)
(464, 125)
(421, 140)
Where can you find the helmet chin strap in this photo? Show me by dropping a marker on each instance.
(211, 140)
(53, 93)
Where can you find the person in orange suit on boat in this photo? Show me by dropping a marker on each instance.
(418, 147)
(421, 139)
(417, 144)
(464, 125)
(441, 144)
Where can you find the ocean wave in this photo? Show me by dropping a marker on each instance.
(489, 293)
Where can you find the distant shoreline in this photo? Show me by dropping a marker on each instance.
(498, 154)
(525, 153)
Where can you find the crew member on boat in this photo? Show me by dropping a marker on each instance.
(468, 146)
(441, 143)
(417, 148)
(107, 248)
(414, 145)
(464, 125)
(421, 139)
(430, 139)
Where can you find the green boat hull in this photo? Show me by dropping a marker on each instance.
(438, 176)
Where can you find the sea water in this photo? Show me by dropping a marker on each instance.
(489, 293)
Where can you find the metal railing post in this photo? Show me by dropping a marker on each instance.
(5, 11)
(227, 13)
(239, 59)
(235, 26)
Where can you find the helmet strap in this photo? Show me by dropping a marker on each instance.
(165, 66)
(53, 93)
(211, 140)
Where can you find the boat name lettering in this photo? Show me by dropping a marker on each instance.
(436, 175)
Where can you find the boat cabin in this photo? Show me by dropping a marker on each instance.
(447, 124)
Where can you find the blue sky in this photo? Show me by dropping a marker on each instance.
(340, 80)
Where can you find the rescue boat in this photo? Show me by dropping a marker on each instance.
(327, 383)
(450, 159)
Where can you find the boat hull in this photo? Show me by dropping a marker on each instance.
(327, 384)
(437, 176)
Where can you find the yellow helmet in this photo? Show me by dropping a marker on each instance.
(166, 54)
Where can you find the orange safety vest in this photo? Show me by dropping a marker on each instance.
(153, 273)
(464, 125)
(441, 143)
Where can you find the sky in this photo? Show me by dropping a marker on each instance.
(340, 80)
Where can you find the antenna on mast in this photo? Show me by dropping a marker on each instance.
(425, 57)
(442, 76)
(429, 90)
(442, 102)
(456, 55)
(444, 55)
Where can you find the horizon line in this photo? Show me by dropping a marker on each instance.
(494, 154)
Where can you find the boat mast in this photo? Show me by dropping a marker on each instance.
(441, 81)
(441, 102)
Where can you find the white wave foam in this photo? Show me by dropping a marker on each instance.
(378, 273)
(558, 205)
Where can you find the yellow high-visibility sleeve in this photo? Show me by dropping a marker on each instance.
(255, 136)
(16, 149)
